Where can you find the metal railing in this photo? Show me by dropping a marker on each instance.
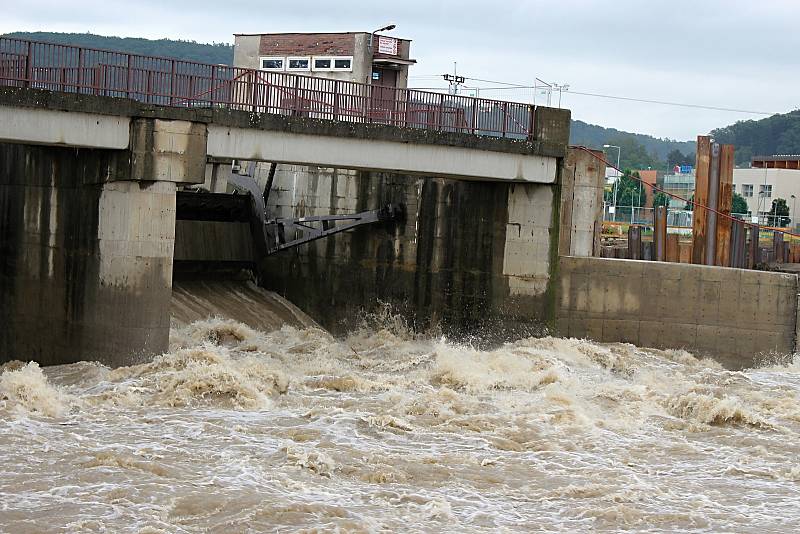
(179, 83)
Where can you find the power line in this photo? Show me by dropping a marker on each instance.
(511, 86)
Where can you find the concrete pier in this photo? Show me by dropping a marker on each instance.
(87, 244)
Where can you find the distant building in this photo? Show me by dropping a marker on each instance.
(351, 56)
(760, 186)
(680, 183)
(776, 162)
(650, 178)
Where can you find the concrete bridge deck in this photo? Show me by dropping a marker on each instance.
(68, 119)
(279, 117)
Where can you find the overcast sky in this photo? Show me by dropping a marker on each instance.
(740, 54)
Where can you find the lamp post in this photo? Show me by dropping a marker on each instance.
(616, 182)
(794, 202)
(388, 27)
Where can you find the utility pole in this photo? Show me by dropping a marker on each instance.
(616, 182)
(454, 80)
(547, 87)
(560, 88)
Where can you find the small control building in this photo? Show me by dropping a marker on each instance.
(351, 56)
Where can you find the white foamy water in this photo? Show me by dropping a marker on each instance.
(235, 430)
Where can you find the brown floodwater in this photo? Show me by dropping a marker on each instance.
(237, 430)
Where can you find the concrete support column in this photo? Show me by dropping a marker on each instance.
(581, 218)
(87, 239)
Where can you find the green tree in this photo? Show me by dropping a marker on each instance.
(633, 155)
(779, 213)
(676, 157)
(660, 199)
(778, 134)
(630, 194)
(689, 205)
(739, 204)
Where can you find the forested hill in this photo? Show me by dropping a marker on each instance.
(778, 134)
(595, 136)
(216, 53)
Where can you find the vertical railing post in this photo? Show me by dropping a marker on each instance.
(79, 83)
(172, 84)
(28, 66)
(297, 105)
(532, 123)
(474, 120)
(367, 102)
(149, 86)
(336, 100)
(440, 112)
(267, 95)
(128, 78)
(254, 91)
(505, 117)
(213, 84)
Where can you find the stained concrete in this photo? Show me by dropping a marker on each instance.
(88, 237)
(86, 265)
(581, 218)
(736, 316)
(471, 258)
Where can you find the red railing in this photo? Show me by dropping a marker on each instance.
(175, 82)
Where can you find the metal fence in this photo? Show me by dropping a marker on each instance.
(179, 83)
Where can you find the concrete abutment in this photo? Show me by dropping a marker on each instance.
(86, 241)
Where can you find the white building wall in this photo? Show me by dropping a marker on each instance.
(784, 182)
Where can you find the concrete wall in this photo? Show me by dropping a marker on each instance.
(472, 257)
(85, 264)
(731, 314)
(212, 241)
(440, 160)
(581, 218)
(88, 234)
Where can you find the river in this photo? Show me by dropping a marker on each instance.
(242, 430)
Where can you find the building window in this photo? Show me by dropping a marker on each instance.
(298, 63)
(747, 190)
(342, 63)
(765, 190)
(272, 63)
(322, 63)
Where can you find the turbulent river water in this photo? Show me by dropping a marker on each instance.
(237, 430)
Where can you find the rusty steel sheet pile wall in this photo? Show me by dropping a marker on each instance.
(736, 316)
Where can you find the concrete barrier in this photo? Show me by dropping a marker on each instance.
(734, 315)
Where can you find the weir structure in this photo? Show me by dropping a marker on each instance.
(94, 146)
(496, 222)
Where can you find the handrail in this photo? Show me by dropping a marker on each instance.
(181, 83)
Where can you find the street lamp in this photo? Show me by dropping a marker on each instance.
(616, 182)
(794, 201)
(388, 27)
